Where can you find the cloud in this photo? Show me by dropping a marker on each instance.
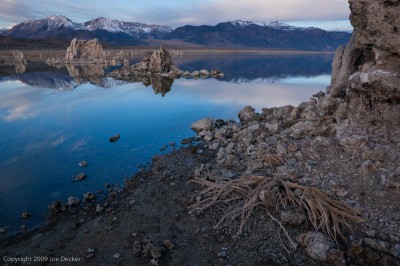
(177, 12)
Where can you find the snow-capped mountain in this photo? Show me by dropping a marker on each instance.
(135, 29)
(102, 28)
(43, 28)
(238, 33)
(273, 24)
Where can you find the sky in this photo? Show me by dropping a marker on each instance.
(326, 14)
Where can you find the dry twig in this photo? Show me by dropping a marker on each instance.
(248, 192)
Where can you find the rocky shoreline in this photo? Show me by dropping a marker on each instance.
(342, 145)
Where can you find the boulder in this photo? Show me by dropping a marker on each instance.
(247, 114)
(161, 62)
(202, 124)
(85, 52)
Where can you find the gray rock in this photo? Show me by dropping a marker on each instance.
(73, 201)
(202, 124)
(377, 244)
(85, 52)
(395, 251)
(247, 114)
(344, 64)
(317, 245)
(373, 155)
(161, 62)
(293, 215)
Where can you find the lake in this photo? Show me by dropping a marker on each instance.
(51, 119)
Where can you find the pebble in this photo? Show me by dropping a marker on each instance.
(132, 202)
(168, 244)
(91, 250)
(117, 255)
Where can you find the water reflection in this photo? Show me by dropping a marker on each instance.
(238, 69)
(246, 68)
(46, 132)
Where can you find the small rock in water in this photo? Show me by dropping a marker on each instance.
(26, 215)
(115, 138)
(24, 226)
(3, 229)
(80, 177)
(83, 164)
(172, 144)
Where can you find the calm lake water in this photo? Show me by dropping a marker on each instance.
(50, 121)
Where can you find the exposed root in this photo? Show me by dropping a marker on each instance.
(248, 192)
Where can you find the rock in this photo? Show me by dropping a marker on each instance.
(356, 248)
(223, 253)
(377, 244)
(168, 244)
(216, 73)
(18, 57)
(376, 23)
(90, 250)
(117, 255)
(317, 245)
(247, 114)
(373, 155)
(395, 251)
(156, 252)
(57, 206)
(73, 201)
(80, 177)
(203, 124)
(99, 208)
(319, 95)
(4, 229)
(83, 164)
(367, 168)
(293, 215)
(89, 196)
(344, 64)
(115, 138)
(161, 62)
(85, 52)
(26, 215)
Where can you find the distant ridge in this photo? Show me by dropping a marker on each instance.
(231, 34)
(273, 35)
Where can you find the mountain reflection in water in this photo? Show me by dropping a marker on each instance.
(237, 69)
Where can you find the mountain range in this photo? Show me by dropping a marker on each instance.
(232, 34)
